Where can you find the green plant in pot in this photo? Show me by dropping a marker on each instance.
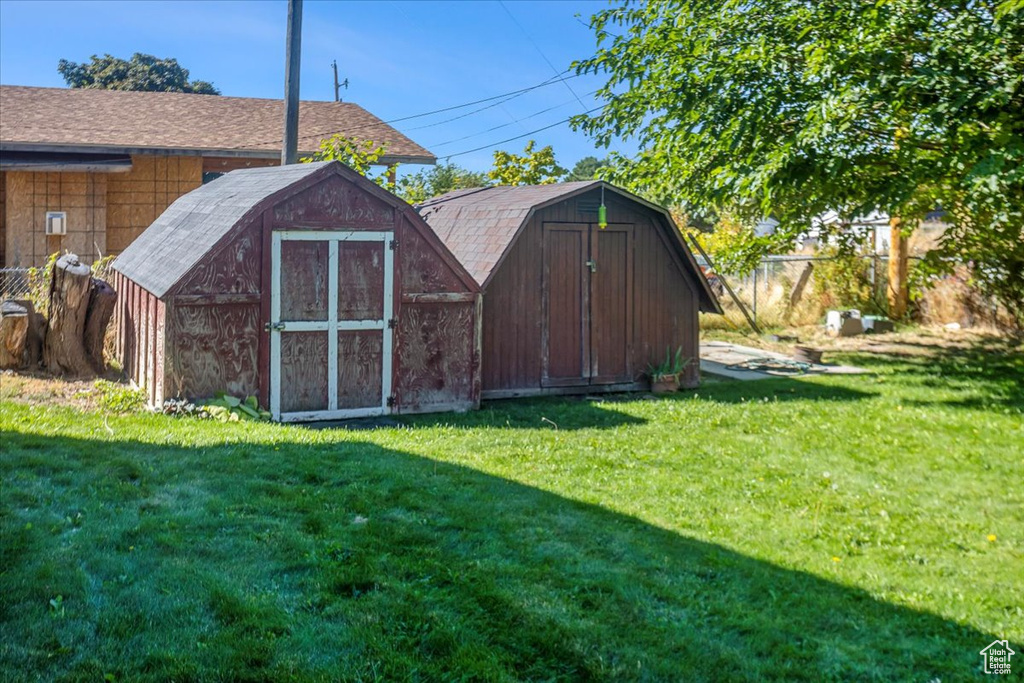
(665, 375)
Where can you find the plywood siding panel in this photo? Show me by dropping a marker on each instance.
(234, 268)
(436, 359)
(303, 371)
(304, 280)
(420, 268)
(136, 198)
(216, 348)
(336, 201)
(360, 363)
(30, 195)
(3, 218)
(361, 280)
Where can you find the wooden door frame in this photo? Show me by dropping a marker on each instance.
(595, 306)
(545, 379)
(332, 325)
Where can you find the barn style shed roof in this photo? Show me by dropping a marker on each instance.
(197, 222)
(131, 122)
(480, 225)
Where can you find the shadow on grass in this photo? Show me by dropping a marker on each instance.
(564, 412)
(351, 561)
(598, 411)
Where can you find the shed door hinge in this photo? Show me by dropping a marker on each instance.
(392, 323)
(270, 327)
(393, 245)
(392, 401)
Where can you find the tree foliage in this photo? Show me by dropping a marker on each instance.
(530, 168)
(587, 168)
(361, 157)
(141, 72)
(437, 180)
(792, 108)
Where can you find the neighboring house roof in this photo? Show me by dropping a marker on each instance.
(119, 121)
(479, 225)
(196, 222)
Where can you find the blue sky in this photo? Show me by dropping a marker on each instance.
(401, 58)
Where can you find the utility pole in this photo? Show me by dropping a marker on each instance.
(293, 49)
(337, 86)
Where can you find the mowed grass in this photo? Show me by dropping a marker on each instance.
(831, 528)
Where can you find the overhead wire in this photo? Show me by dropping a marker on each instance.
(558, 74)
(519, 137)
(505, 125)
(504, 97)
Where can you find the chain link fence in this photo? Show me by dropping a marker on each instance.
(14, 283)
(798, 289)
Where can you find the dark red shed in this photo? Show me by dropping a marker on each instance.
(307, 286)
(569, 306)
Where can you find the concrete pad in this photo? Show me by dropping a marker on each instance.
(721, 358)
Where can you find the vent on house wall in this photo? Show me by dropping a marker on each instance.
(587, 206)
(56, 222)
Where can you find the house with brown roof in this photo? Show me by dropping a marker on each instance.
(88, 170)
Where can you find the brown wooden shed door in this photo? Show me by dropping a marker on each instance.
(331, 324)
(587, 294)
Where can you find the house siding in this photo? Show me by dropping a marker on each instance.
(29, 196)
(106, 211)
(3, 219)
(136, 198)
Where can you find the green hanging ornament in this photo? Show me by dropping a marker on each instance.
(602, 212)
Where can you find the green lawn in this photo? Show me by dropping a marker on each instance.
(844, 528)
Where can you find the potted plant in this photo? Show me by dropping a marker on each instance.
(665, 375)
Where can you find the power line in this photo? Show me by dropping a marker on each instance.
(507, 96)
(540, 52)
(515, 93)
(519, 137)
(470, 113)
(506, 125)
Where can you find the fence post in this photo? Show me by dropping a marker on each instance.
(754, 288)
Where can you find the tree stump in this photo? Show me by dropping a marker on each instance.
(102, 298)
(36, 334)
(13, 333)
(63, 349)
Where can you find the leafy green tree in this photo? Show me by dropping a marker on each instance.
(792, 108)
(423, 185)
(531, 168)
(142, 72)
(361, 157)
(587, 168)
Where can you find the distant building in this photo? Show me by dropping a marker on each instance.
(88, 170)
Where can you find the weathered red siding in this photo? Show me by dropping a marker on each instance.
(208, 333)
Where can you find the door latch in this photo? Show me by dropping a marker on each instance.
(592, 265)
(271, 327)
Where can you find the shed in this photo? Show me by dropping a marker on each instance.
(569, 306)
(308, 286)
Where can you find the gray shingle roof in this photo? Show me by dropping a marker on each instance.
(479, 225)
(195, 222)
